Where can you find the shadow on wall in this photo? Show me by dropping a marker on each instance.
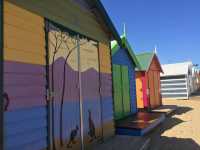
(159, 142)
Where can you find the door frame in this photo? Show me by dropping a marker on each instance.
(48, 94)
(1, 78)
(78, 36)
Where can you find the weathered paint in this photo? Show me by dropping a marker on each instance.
(122, 58)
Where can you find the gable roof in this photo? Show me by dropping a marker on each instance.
(145, 59)
(177, 68)
(98, 6)
(125, 44)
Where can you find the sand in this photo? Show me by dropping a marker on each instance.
(181, 131)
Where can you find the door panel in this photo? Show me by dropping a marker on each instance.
(69, 93)
(151, 89)
(157, 87)
(63, 72)
(90, 90)
(121, 91)
(118, 109)
(139, 91)
(125, 90)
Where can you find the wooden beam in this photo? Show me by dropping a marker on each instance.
(1, 79)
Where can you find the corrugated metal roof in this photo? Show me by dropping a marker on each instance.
(176, 68)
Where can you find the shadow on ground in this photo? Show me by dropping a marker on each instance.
(181, 110)
(159, 142)
(167, 143)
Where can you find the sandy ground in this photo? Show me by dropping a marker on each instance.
(180, 131)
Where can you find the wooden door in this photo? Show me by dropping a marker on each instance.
(152, 96)
(125, 90)
(118, 109)
(121, 91)
(64, 88)
(90, 78)
(139, 90)
(157, 88)
(75, 85)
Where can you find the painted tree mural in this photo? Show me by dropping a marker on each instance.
(66, 49)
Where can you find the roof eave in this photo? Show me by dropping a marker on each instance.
(127, 46)
(107, 20)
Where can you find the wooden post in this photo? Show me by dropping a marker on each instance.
(80, 93)
(1, 79)
(48, 94)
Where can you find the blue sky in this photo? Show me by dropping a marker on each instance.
(172, 25)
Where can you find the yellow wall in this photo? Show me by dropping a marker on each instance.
(23, 35)
(105, 58)
(67, 13)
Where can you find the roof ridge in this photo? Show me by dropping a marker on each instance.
(143, 53)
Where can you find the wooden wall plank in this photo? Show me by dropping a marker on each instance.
(24, 38)
(68, 14)
(105, 58)
(24, 57)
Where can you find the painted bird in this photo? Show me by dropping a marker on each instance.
(72, 139)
